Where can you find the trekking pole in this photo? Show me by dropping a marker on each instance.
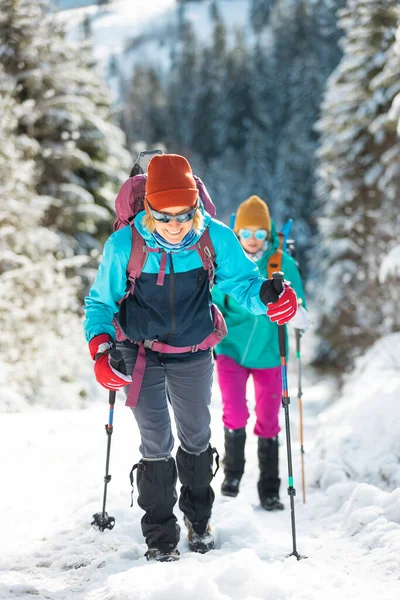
(299, 398)
(102, 520)
(278, 285)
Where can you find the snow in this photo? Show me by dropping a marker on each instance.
(390, 265)
(360, 431)
(348, 529)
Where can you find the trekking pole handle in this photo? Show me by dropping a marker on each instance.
(277, 277)
(117, 363)
(115, 359)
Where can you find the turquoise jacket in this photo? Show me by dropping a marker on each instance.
(252, 340)
(182, 304)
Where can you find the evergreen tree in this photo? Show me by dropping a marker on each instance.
(41, 339)
(357, 186)
(210, 121)
(387, 84)
(66, 109)
(304, 54)
(145, 109)
(261, 141)
(184, 83)
(386, 129)
(260, 12)
(239, 106)
(61, 163)
(87, 27)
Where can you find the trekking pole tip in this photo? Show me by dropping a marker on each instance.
(297, 555)
(102, 521)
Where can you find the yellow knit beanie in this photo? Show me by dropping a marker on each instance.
(253, 213)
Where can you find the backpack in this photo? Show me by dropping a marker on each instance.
(275, 260)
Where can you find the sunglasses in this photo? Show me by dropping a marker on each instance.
(259, 234)
(167, 218)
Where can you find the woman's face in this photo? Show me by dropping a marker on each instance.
(251, 245)
(174, 232)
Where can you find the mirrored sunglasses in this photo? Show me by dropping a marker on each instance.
(259, 234)
(167, 218)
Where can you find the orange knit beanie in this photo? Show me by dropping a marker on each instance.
(252, 213)
(170, 182)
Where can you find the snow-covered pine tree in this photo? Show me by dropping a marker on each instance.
(259, 13)
(359, 145)
(183, 85)
(239, 106)
(304, 54)
(210, 124)
(41, 336)
(260, 141)
(386, 129)
(145, 107)
(66, 108)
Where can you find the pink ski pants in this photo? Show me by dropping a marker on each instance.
(232, 379)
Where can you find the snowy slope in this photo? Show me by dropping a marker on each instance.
(350, 531)
(358, 436)
(143, 31)
(113, 28)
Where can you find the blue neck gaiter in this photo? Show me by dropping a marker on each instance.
(187, 241)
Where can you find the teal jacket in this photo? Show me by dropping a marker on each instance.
(182, 304)
(252, 340)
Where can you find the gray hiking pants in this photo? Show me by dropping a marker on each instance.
(186, 383)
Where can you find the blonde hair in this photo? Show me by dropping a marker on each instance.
(198, 222)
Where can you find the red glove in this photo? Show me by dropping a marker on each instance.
(100, 348)
(285, 308)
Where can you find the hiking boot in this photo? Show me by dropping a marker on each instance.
(200, 543)
(230, 486)
(156, 484)
(269, 482)
(197, 496)
(271, 503)
(235, 440)
(160, 556)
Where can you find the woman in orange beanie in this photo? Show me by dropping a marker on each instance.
(170, 324)
(251, 348)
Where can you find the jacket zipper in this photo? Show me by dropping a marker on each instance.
(249, 340)
(172, 294)
(171, 298)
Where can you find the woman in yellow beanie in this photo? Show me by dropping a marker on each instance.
(251, 348)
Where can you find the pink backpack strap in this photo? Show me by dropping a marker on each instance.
(207, 255)
(137, 258)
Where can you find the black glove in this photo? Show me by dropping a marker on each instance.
(268, 293)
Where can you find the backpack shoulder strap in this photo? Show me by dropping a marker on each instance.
(137, 258)
(207, 255)
(275, 262)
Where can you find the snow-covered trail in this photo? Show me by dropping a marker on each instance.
(52, 482)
